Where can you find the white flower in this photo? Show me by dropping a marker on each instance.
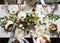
(33, 15)
(20, 25)
(13, 11)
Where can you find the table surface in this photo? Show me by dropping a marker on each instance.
(3, 12)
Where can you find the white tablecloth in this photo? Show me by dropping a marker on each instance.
(3, 12)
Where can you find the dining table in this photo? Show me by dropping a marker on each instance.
(4, 12)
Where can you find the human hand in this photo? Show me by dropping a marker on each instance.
(44, 5)
(32, 34)
(52, 10)
(19, 7)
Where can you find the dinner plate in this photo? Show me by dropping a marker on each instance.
(21, 15)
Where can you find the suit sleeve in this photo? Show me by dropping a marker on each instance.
(13, 31)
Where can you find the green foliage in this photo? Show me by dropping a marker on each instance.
(31, 20)
(12, 17)
(54, 16)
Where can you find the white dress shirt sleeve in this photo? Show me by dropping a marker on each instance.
(42, 1)
(19, 1)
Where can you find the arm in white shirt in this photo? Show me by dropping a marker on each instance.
(42, 1)
(20, 1)
(19, 4)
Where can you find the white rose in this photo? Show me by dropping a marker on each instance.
(20, 25)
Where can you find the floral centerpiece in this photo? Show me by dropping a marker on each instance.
(29, 21)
